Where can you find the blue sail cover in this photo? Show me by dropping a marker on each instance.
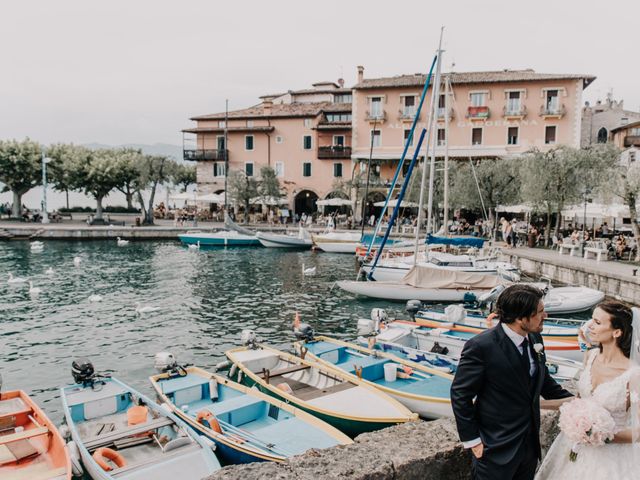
(458, 241)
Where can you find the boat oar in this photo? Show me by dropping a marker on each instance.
(250, 438)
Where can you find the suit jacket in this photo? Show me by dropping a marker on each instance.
(507, 405)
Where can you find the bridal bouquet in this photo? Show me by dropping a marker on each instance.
(586, 422)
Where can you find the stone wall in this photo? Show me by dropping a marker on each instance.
(421, 450)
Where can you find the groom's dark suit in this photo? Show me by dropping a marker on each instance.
(506, 411)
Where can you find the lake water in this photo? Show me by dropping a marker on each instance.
(204, 300)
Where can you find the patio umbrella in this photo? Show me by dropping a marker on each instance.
(210, 198)
(394, 202)
(334, 202)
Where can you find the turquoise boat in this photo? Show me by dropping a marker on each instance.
(421, 389)
(246, 425)
(221, 238)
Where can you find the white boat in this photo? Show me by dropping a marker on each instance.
(428, 285)
(565, 300)
(337, 242)
(301, 240)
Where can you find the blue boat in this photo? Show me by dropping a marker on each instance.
(246, 425)
(221, 238)
(120, 433)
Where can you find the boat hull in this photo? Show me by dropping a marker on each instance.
(283, 241)
(387, 273)
(219, 240)
(400, 292)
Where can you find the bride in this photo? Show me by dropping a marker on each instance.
(611, 378)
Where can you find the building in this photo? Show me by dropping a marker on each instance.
(627, 138)
(600, 119)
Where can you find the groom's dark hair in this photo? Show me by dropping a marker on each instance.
(518, 301)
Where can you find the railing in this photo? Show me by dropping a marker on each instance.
(478, 112)
(442, 111)
(514, 111)
(205, 154)
(552, 110)
(407, 114)
(378, 116)
(335, 151)
(632, 141)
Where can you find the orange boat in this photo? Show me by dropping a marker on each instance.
(31, 448)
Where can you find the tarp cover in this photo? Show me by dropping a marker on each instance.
(427, 277)
(457, 241)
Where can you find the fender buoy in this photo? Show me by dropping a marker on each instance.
(284, 386)
(101, 456)
(489, 320)
(210, 419)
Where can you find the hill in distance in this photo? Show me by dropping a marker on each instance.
(172, 151)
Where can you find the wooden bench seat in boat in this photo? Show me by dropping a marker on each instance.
(284, 371)
(32, 432)
(183, 452)
(313, 392)
(102, 440)
(182, 383)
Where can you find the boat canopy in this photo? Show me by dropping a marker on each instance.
(426, 277)
(457, 241)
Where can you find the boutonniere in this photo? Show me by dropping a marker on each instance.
(539, 349)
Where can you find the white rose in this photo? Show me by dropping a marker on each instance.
(538, 347)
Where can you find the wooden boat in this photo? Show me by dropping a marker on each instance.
(341, 400)
(110, 421)
(221, 238)
(337, 242)
(253, 426)
(301, 240)
(31, 447)
(421, 389)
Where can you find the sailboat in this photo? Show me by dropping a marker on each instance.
(300, 240)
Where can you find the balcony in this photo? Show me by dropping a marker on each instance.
(514, 111)
(333, 152)
(632, 141)
(407, 114)
(378, 116)
(442, 111)
(198, 155)
(552, 111)
(478, 113)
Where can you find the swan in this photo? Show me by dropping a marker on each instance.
(34, 290)
(122, 243)
(37, 246)
(308, 271)
(145, 309)
(77, 261)
(95, 298)
(13, 280)
(49, 271)
(194, 247)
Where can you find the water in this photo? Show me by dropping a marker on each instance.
(204, 299)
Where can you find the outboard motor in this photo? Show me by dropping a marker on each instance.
(82, 371)
(304, 332)
(164, 362)
(248, 339)
(366, 327)
(413, 307)
(491, 296)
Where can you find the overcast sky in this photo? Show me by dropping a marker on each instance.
(134, 71)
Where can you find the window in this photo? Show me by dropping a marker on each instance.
(478, 99)
(442, 137)
(338, 117)
(441, 105)
(250, 123)
(342, 98)
(337, 169)
(513, 102)
(222, 124)
(550, 135)
(602, 135)
(306, 142)
(307, 123)
(279, 169)
(306, 169)
(634, 132)
(551, 103)
(375, 136)
(279, 139)
(512, 136)
(409, 106)
(476, 136)
(632, 156)
(338, 140)
(248, 169)
(406, 137)
(220, 142)
(218, 169)
(248, 142)
(375, 107)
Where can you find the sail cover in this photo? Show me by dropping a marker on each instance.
(426, 277)
(457, 241)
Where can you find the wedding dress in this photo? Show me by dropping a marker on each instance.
(613, 461)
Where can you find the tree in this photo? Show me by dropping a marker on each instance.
(20, 169)
(242, 189)
(269, 186)
(60, 169)
(182, 175)
(127, 160)
(153, 170)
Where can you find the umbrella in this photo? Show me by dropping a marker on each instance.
(394, 202)
(182, 196)
(334, 202)
(514, 208)
(210, 198)
(269, 201)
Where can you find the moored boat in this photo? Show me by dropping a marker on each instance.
(246, 424)
(31, 448)
(301, 240)
(122, 434)
(341, 400)
(221, 238)
(337, 242)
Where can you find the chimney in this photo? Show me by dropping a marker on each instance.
(360, 73)
(341, 82)
(267, 104)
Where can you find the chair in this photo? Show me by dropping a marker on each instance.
(554, 242)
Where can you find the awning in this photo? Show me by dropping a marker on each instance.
(334, 202)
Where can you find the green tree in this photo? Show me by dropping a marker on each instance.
(269, 185)
(60, 170)
(153, 170)
(182, 175)
(242, 189)
(127, 162)
(20, 169)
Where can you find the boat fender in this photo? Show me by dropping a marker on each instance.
(101, 456)
(490, 319)
(208, 419)
(222, 366)
(74, 456)
(358, 370)
(284, 386)
(240, 376)
(213, 389)
(233, 370)
(303, 351)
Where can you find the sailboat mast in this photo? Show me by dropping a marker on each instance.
(436, 83)
(225, 154)
(447, 86)
(432, 165)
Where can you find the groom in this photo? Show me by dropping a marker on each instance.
(503, 369)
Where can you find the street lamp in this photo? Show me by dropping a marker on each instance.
(45, 215)
(587, 191)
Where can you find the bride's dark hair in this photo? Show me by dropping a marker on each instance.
(622, 319)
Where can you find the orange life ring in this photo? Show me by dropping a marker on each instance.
(103, 454)
(489, 320)
(210, 419)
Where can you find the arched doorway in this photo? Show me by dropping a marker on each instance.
(305, 202)
(602, 135)
(370, 209)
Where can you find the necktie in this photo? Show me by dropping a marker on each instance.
(524, 356)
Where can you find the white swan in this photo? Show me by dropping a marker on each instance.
(34, 290)
(194, 246)
(49, 271)
(95, 298)
(13, 280)
(140, 309)
(77, 261)
(122, 243)
(37, 246)
(308, 271)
